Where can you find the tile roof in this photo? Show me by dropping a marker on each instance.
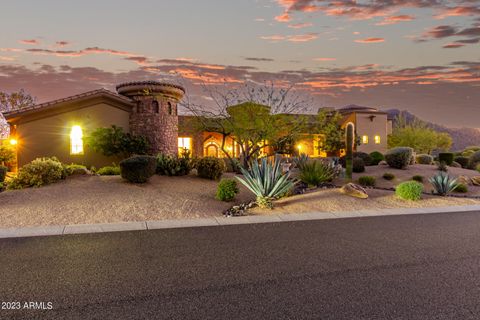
(87, 94)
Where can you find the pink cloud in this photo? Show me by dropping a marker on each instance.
(292, 38)
(299, 25)
(458, 11)
(453, 45)
(395, 19)
(370, 40)
(285, 17)
(324, 59)
(29, 42)
(62, 43)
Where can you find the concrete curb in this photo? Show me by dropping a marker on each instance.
(219, 221)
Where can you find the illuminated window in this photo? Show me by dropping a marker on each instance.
(76, 140)
(365, 139)
(377, 139)
(184, 144)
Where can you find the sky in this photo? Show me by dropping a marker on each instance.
(422, 56)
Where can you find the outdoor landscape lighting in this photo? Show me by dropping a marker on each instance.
(13, 142)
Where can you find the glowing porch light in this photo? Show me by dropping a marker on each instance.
(76, 140)
(13, 142)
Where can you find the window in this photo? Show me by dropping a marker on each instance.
(156, 107)
(76, 140)
(184, 144)
(365, 139)
(377, 139)
(170, 108)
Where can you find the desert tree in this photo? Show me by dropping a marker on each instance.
(11, 102)
(255, 116)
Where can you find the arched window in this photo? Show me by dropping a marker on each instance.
(76, 140)
(170, 108)
(139, 107)
(156, 107)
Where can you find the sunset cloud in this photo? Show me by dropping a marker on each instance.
(292, 38)
(62, 43)
(285, 17)
(29, 42)
(300, 25)
(259, 59)
(453, 45)
(324, 59)
(79, 53)
(395, 19)
(370, 40)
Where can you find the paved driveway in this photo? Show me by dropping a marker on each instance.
(398, 267)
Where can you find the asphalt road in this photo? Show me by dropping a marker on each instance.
(398, 267)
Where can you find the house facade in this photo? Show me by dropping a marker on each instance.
(148, 108)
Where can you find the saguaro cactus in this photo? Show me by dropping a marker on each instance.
(349, 142)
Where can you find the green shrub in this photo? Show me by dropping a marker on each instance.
(315, 173)
(7, 153)
(169, 165)
(358, 165)
(39, 172)
(232, 165)
(376, 157)
(443, 184)
(227, 190)
(367, 181)
(461, 188)
(109, 171)
(469, 151)
(69, 169)
(474, 160)
(210, 168)
(266, 181)
(3, 173)
(388, 176)
(418, 178)
(478, 167)
(446, 157)
(463, 161)
(424, 159)
(115, 142)
(138, 169)
(399, 158)
(409, 190)
(367, 159)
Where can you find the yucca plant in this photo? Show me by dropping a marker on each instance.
(301, 161)
(443, 184)
(266, 181)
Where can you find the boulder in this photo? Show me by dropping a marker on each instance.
(464, 180)
(383, 163)
(476, 180)
(456, 165)
(354, 190)
(80, 172)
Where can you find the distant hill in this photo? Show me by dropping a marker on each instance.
(462, 137)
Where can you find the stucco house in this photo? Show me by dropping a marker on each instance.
(147, 108)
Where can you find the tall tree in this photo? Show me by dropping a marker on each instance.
(12, 101)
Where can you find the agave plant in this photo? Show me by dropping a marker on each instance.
(443, 184)
(301, 161)
(266, 181)
(316, 173)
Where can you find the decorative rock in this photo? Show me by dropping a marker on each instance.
(456, 165)
(476, 180)
(80, 172)
(383, 163)
(353, 190)
(464, 180)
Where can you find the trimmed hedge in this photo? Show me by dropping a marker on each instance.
(376, 157)
(399, 158)
(424, 159)
(109, 171)
(409, 190)
(210, 168)
(358, 165)
(138, 169)
(446, 157)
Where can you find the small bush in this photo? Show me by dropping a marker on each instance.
(138, 169)
(358, 165)
(442, 166)
(461, 188)
(3, 173)
(367, 181)
(109, 171)
(399, 158)
(169, 165)
(210, 168)
(409, 190)
(474, 160)
(446, 157)
(232, 165)
(39, 172)
(227, 190)
(376, 157)
(388, 176)
(315, 173)
(7, 153)
(69, 169)
(418, 178)
(463, 161)
(424, 159)
(478, 167)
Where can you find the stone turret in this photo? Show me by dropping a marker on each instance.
(155, 114)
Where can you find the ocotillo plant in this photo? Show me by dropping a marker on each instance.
(349, 142)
